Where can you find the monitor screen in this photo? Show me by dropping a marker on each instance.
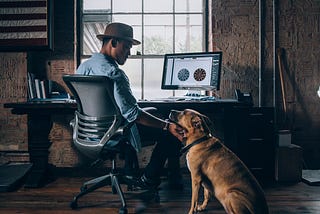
(192, 71)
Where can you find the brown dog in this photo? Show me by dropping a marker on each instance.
(217, 169)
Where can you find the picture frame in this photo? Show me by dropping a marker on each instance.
(26, 25)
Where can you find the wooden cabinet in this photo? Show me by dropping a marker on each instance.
(248, 131)
(254, 139)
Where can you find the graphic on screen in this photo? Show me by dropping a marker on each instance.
(183, 74)
(198, 66)
(199, 74)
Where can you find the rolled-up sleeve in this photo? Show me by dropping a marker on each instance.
(124, 98)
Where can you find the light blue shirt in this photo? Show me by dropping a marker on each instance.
(100, 64)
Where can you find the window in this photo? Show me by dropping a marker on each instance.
(166, 26)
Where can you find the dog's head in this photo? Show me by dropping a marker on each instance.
(194, 124)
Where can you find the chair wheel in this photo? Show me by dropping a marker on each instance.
(123, 210)
(74, 205)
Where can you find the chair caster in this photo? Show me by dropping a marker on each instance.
(123, 210)
(74, 204)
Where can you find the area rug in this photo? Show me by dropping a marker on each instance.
(311, 177)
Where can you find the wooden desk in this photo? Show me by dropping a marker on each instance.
(221, 112)
(39, 126)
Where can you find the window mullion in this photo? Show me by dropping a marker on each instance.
(142, 50)
(174, 32)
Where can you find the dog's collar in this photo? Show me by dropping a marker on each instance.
(187, 147)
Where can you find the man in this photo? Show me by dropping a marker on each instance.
(117, 41)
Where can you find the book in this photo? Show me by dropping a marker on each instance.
(37, 86)
(43, 89)
(31, 86)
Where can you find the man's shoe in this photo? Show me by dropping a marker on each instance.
(144, 183)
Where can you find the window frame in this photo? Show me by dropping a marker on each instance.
(79, 35)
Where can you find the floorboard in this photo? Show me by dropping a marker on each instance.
(55, 198)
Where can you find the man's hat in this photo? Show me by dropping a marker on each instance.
(119, 30)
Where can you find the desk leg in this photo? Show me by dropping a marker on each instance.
(39, 126)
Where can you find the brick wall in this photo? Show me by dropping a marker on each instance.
(235, 31)
(13, 88)
(300, 40)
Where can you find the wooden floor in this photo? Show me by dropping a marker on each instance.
(55, 198)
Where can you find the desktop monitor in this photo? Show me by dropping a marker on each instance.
(192, 71)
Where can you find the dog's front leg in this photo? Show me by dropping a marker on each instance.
(195, 193)
(207, 195)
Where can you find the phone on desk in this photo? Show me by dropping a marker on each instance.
(244, 97)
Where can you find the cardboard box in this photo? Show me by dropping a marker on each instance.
(288, 163)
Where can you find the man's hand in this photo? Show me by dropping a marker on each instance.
(176, 131)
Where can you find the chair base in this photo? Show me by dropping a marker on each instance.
(99, 182)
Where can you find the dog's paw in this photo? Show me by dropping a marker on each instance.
(201, 207)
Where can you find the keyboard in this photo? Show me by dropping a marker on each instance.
(185, 98)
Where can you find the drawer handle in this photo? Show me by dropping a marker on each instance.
(256, 114)
(256, 139)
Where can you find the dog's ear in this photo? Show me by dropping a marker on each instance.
(196, 123)
(206, 123)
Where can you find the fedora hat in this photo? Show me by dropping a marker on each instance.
(119, 30)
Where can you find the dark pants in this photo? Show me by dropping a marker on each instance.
(167, 148)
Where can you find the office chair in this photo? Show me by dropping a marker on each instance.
(99, 130)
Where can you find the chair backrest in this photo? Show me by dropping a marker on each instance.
(98, 119)
(94, 94)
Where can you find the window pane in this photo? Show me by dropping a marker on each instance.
(188, 6)
(158, 6)
(188, 33)
(135, 21)
(152, 79)
(90, 43)
(127, 6)
(158, 34)
(96, 4)
(132, 68)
